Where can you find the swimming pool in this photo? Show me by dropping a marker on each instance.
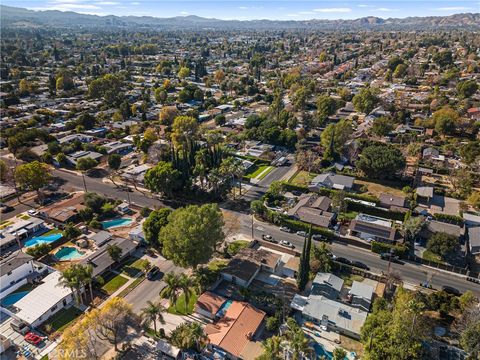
(320, 351)
(43, 239)
(223, 309)
(68, 253)
(116, 223)
(13, 298)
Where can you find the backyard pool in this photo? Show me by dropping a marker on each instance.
(116, 223)
(223, 309)
(68, 253)
(43, 239)
(320, 351)
(13, 298)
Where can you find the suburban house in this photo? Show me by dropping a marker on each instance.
(246, 265)
(323, 307)
(313, 209)
(65, 211)
(233, 335)
(331, 181)
(15, 271)
(43, 301)
(431, 153)
(474, 240)
(19, 228)
(76, 156)
(425, 192)
(208, 304)
(393, 202)
(75, 137)
(118, 147)
(434, 226)
(361, 295)
(368, 227)
(136, 173)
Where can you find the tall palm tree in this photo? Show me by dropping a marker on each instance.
(299, 345)
(272, 348)
(170, 291)
(87, 278)
(153, 313)
(187, 285)
(69, 278)
(198, 335)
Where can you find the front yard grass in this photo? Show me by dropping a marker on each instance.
(234, 247)
(133, 266)
(430, 256)
(348, 278)
(302, 178)
(63, 318)
(257, 170)
(114, 284)
(179, 307)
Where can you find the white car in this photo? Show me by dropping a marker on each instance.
(32, 212)
(287, 244)
(302, 233)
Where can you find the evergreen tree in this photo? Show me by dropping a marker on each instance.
(304, 268)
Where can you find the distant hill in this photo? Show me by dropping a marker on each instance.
(20, 17)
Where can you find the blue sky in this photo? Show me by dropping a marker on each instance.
(256, 9)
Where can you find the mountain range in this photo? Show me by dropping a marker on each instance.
(20, 17)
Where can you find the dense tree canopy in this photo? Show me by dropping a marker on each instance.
(380, 161)
(153, 224)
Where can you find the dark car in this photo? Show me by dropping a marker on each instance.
(318, 237)
(451, 290)
(343, 260)
(6, 208)
(153, 272)
(360, 265)
(386, 256)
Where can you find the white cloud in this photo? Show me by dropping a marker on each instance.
(135, 3)
(184, 13)
(363, 6)
(333, 10)
(453, 8)
(384, 9)
(243, 7)
(107, 3)
(69, 7)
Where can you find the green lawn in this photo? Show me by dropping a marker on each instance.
(265, 172)
(256, 170)
(234, 247)
(348, 279)
(302, 178)
(179, 307)
(114, 284)
(53, 231)
(132, 286)
(23, 217)
(133, 266)
(63, 318)
(216, 265)
(430, 256)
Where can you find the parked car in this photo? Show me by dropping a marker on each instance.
(153, 272)
(386, 256)
(343, 260)
(287, 244)
(268, 238)
(451, 290)
(286, 229)
(318, 237)
(6, 208)
(19, 326)
(32, 212)
(32, 338)
(302, 233)
(360, 265)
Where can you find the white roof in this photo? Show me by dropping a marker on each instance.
(167, 348)
(41, 299)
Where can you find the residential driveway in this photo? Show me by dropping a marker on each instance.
(149, 290)
(18, 339)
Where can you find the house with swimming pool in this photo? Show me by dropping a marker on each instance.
(19, 228)
(15, 271)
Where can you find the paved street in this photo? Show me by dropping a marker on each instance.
(256, 191)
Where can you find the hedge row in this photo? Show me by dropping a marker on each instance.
(380, 247)
(394, 215)
(253, 159)
(458, 220)
(297, 225)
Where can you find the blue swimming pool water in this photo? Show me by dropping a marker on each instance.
(68, 253)
(320, 351)
(13, 298)
(116, 223)
(43, 239)
(223, 309)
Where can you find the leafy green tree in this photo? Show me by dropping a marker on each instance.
(462, 182)
(163, 179)
(152, 225)
(170, 291)
(272, 349)
(84, 165)
(339, 354)
(382, 126)
(126, 110)
(86, 120)
(184, 131)
(366, 100)
(442, 244)
(393, 62)
(115, 252)
(71, 231)
(183, 72)
(443, 58)
(445, 120)
(470, 152)
(474, 199)
(192, 234)
(334, 137)
(400, 71)
(189, 336)
(326, 106)
(3, 171)
(467, 88)
(94, 201)
(321, 254)
(32, 176)
(412, 226)
(152, 313)
(380, 161)
(470, 339)
(39, 250)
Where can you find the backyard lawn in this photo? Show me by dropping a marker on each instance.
(114, 284)
(52, 231)
(376, 189)
(302, 178)
(63, 318)
(179, 307)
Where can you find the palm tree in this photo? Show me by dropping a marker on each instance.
(87, 278)
(187, 285)
(69, 278)
(198, 335)
(272, 348)
(299, 345)
(170, 291)
(153, 312)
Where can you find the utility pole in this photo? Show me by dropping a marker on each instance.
(253, 236)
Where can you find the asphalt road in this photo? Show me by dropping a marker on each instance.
(256, 191)
(411, 273)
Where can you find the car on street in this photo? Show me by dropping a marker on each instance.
(33, 339)
(302, 233)
(268, 238)
(386, 256)
(451, 290)
(32, 212)
(318, 237)
(287, 244)
(360, 265)
(343, 260)
(6, 208)
(153, 272)
(285, 229)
